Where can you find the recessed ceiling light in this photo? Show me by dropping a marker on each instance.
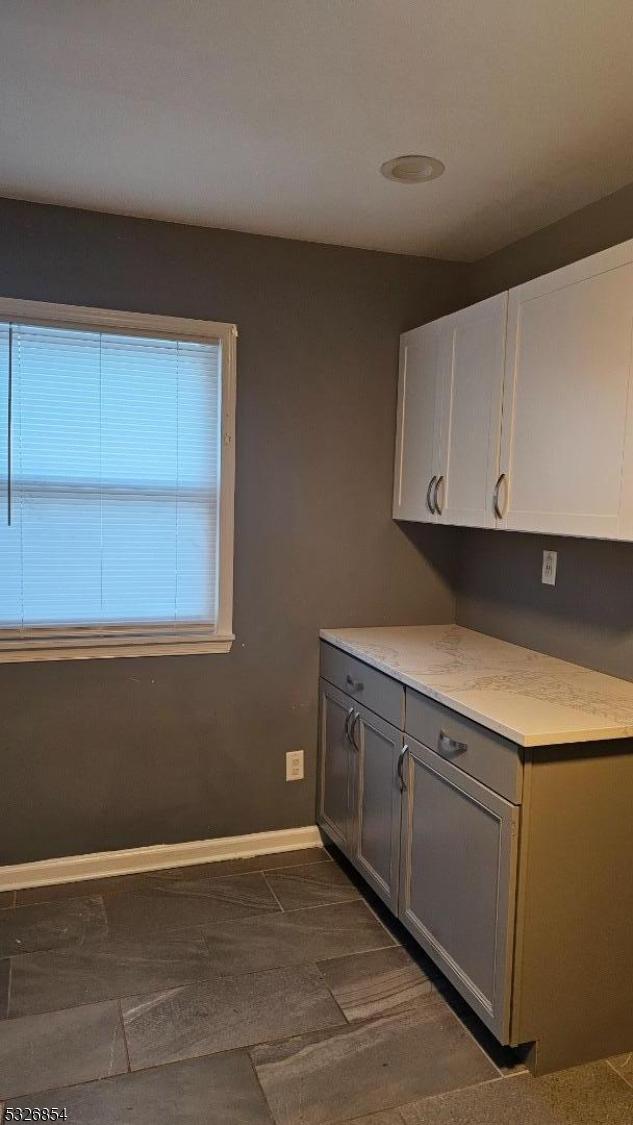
(412, 169)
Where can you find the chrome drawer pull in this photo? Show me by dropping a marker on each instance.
(448, 745)
(436, 504)
(347, 722)
(352, 729)
(429, 502)
(400, 767)
(354, 685)
(495, 497)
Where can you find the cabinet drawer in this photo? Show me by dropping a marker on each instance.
(380, 693)
(493, 760)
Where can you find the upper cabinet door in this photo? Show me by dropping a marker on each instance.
(565, 450)
(416, 434)
(472, 363)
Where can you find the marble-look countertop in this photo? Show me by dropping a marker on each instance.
(530, 698)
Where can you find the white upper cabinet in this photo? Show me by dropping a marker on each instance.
(517, 412)
(471, 389)
(566, 449)
(449, 416)
(417, 423)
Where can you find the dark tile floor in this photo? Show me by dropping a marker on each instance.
(252, 992)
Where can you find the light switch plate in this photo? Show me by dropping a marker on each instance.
(294, 765)
(548, 574)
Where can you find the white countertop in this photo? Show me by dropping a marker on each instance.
(530, 698)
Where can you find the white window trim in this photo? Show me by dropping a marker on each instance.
(91, 642)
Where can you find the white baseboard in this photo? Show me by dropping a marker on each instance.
(71, 869)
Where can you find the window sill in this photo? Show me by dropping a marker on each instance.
(103, 650)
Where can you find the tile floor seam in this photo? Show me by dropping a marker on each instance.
(104, 999)
(444, 1094)
(124, 1074)
(123, 1032)
(379, 919)
(378, 1113)
(257, 912)
(296, 867)
(328, 989)
(621, 1076)
(259, 1085)
(318, 905)
(322, 1030)
(195, 878)
(68, 1085)
(469, 1032)
(296, 909)
(157, 871)
(49, 901)
(227, 976)
(290, 866)
(399, 1106)
(396, 1107)
(244, 1049)
(273, 893)
(183, 984)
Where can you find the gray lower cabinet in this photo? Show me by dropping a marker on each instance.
(511, 868)
(336, 767)
(377, 803)
(437, 844)
(359, 796)
(458, 880)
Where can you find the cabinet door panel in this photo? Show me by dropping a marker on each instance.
(378, 803)
(416, 422)
(336, 768)
(568, 373)
(473, 348)
(458, 878)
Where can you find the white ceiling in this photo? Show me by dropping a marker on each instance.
(274, 116)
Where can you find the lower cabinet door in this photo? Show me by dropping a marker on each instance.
(458, 880)
(378, 803)
(336, 767)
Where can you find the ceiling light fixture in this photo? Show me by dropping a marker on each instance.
(412, 169)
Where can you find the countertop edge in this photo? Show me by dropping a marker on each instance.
(560, 738)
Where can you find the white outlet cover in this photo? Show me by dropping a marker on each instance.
(548, 573)
(294, 765)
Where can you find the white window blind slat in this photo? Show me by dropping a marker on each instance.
(115, 479)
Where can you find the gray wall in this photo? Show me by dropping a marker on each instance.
(108, 754)
(116, 753)
(588, 616)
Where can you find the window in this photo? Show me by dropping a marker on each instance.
(116, 483)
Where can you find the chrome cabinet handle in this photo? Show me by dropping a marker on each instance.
(436, 505)
(449, 745)
(429, 502)
(495, 496)
(353, 731)
(400, 767)
(354, 685)
(347, 721)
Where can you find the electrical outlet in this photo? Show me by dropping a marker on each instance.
(548, 574)
(294, 765)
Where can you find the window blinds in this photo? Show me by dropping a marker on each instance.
(110, 451)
